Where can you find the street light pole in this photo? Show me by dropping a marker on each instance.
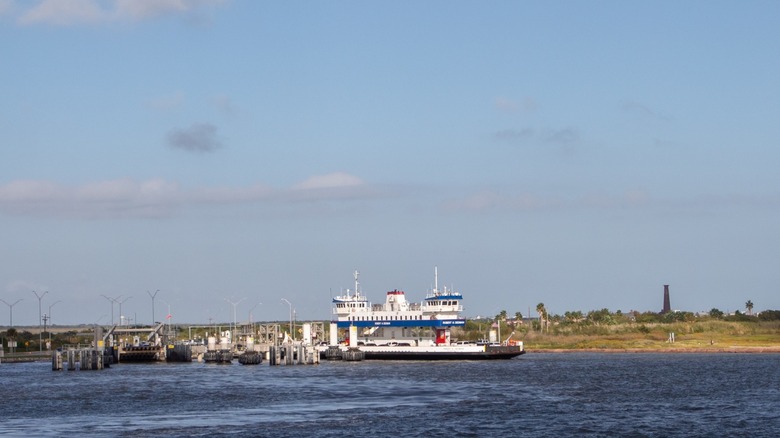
(233, 333)
(250, 313)
(120, 310)
(40, 334)
(292, 334)
(46, 318)
(168, 317)
(12, 345)
(50, 306)
(11, 309)
(153, 295)
(50, 320)
(113, 301)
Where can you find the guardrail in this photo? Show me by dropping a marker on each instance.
(27, 356)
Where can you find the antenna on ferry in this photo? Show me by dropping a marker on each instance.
(435, 279)
(357, 291)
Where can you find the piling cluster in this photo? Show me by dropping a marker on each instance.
(293, 354)
(82, 359)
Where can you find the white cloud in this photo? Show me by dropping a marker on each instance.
(329, 181)
(64, 13)
(5, 6)
(75, 12)
(156, 198)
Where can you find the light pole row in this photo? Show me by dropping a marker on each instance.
(11, 309)
(40, 337)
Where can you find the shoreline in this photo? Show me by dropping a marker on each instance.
(684, 350)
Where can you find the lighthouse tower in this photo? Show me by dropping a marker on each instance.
(667, 306)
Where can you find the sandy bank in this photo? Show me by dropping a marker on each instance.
(733, 349)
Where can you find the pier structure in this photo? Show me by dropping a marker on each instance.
(150, 344)
(302, 352)
(137, 344)
(96, 357)
(253, 343)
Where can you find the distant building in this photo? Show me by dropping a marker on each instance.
(667, 305)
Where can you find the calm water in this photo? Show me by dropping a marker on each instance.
(539, 394)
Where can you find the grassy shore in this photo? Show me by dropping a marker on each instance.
(697, 336)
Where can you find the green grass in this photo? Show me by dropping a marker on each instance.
(704, 335)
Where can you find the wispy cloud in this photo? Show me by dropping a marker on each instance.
(554, 136)
(5, 7)
(143, 9)
(200, 137)
(24, 287)
(115, 198)
(77, 12)
(224, 104)
(644, 111)
(563, 136)
(504, 104)
(329, 181)
(489, 200)
(515, 135)
(159, 198)
(64, 13)
(167, 102)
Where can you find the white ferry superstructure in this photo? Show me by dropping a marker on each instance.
(399, 329)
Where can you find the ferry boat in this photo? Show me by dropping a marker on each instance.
(399, 329)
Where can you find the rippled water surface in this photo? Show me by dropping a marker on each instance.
(585, 394)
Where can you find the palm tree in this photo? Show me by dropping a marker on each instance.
(749, 307)
(11, 334)
(542, 314)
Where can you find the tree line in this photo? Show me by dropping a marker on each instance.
(607, 317)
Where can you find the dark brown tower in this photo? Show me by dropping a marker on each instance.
(667, 305)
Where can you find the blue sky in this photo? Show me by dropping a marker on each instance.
(580, 154)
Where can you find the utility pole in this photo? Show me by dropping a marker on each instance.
(45, 320)
(40, 337)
